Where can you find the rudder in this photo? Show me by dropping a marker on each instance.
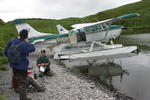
(61, 29)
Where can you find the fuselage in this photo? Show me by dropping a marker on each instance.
(84, 35)
(104, 35)
(96, 33)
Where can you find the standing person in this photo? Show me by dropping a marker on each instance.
(19, 60)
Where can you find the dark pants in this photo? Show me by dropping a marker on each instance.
(47, 71)
(21, 78)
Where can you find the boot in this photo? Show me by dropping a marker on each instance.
(16, 90)
(25, 99)
(28, 99)
(49, 73)
(23, 96)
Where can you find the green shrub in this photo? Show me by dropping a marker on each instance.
(3, 60)
(2, 98)
(1, 50)
(4, 67)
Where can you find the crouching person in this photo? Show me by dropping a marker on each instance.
(43, 64)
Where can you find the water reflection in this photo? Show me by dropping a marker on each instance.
(137, 39)
(106, 71)
(130, 77)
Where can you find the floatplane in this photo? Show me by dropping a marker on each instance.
(95, 41)
(85, 41)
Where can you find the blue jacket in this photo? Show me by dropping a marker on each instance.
(25, 48)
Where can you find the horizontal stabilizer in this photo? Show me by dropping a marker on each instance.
(37, 41)
(18, 21)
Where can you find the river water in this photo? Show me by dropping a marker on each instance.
(130, 76)
(136, 82)
(140, 39)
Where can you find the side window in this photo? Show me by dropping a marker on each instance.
(93, 28)
(105, 26)
(88, 29)
(78, 31)
(98, 27)
(101, 27)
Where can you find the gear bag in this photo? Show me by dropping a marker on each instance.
(14, 56)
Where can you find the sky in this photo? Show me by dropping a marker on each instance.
(55, 9)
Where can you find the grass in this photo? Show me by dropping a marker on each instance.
(2, 97)
(7, 31)
(132, 42)
(3, 60)
(4, 67)
(3, 63)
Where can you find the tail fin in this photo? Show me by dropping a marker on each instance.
(61, 29)
(20, 25)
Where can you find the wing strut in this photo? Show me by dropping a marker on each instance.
(108, 29)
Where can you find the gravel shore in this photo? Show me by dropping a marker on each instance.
(64, 85)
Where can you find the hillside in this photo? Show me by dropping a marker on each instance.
(135, 25)
(140, 24)
(142, 8)
(7, 31)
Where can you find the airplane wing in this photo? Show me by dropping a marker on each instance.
(78, 26)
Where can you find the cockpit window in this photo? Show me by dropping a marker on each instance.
(105, 25)
(98, 27)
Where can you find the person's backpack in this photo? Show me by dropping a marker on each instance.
(14, 54)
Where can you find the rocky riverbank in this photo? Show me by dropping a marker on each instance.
(62, 86)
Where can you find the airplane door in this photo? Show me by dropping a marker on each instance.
(81, 36)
